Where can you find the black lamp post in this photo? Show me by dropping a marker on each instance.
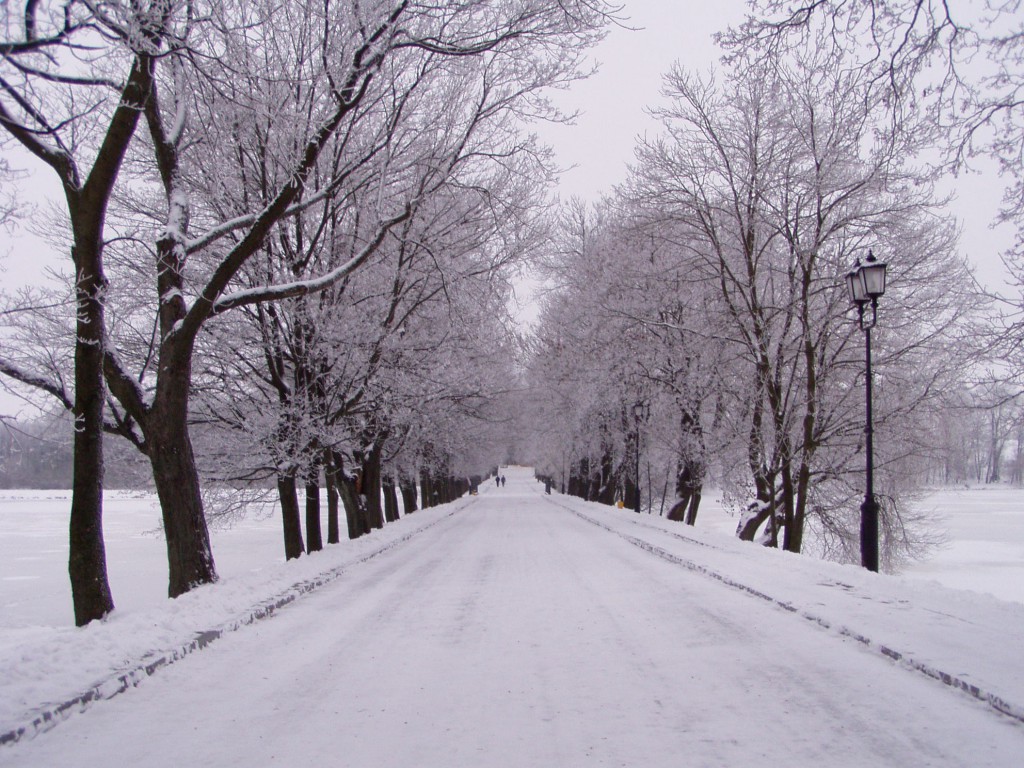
(638, 413)
(867, 284)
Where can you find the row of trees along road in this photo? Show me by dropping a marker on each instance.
(701, 310)
(285, 219)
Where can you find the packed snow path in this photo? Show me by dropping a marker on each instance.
(515, 633)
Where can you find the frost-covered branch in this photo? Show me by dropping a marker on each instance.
(315, 285)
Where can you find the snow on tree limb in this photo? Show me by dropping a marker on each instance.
(306, 287)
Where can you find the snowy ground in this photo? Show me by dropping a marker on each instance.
(514, 629)
(985, 547)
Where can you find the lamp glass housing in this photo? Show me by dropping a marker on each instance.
(856, 285)
(872, 275)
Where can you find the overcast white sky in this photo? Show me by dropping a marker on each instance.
(613, 102)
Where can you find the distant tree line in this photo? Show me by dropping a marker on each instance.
(697, 327)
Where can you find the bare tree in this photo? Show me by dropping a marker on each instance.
(67, 49)
(353, 57)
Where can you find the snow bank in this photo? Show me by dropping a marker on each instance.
(49, 669)
(966, 640)
(48, 672)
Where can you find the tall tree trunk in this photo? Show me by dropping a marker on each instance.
(87, 205)
(594, 488)
(688, 492)
(355, 515)
(442, 489)
(577, 472)
(371, 488)
(351, 500)
(803, 482)
(628, 487)
(408, 487)
(189, 558)
(791, 536)
(331, 478)
(390, 499)
(756, 513)
(691, 512)
(606, 491)
(426, 489)
(288, 494)
(314, 536)
(87, 560)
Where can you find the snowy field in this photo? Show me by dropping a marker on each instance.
(984, 550)
(547, 597)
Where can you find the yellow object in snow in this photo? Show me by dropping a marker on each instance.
(620, 504)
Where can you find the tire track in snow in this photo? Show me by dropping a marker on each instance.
(49, 715)
(902, 659)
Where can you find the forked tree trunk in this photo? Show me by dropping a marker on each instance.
(87, 201)
(351, 500)
(757, 512)
(688, 493)
(292, 523)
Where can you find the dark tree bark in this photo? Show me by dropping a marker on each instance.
(355, 513)
(176, 477)
(331, 478)
(690, 471)
(87, 561)
(288, 494)
(629, 488)
(606, 489)
(189, 557)
(390, 499)
(351, 499)
(370, 489)
(757, 513)
(765, 507)
(407, 485)
(594, 484)
(688, 493)
(87, 202)
(427, 498)
(442, 488)
(314, 536)
(576, 473)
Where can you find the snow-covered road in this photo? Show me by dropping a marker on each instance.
(515, 633)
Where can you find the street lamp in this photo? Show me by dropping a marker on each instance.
(638, 413)
(866, 283)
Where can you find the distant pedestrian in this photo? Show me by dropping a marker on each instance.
(497, 480)
(502, 481)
